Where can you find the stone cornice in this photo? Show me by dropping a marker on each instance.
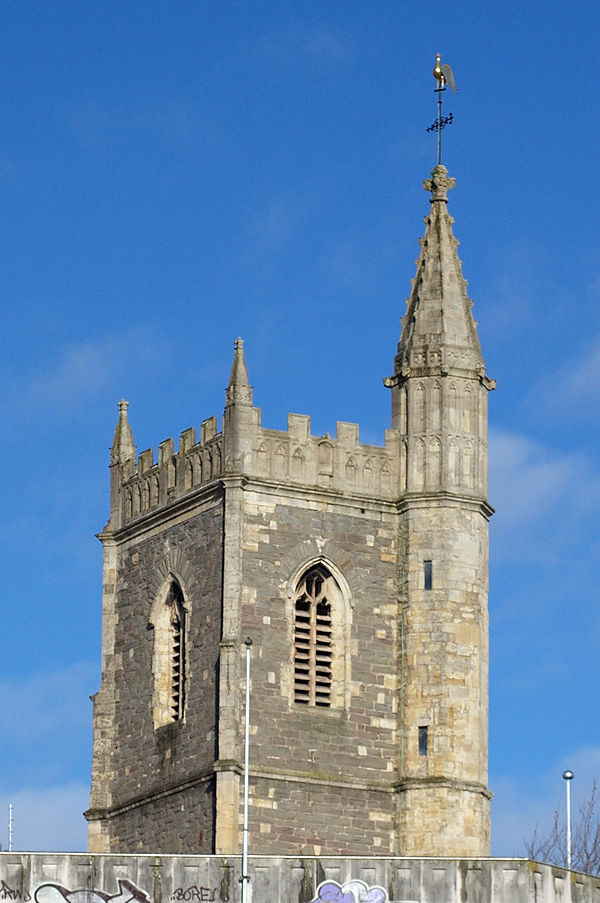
(136, 802)
(444, 499)
(442, 781)
(319, 779)
(317, 493)
(206, 495)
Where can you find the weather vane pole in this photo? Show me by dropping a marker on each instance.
(443, 76)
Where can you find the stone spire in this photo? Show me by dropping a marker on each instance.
(123, 447)
(239, 415)
(439, 335)
(239, 389)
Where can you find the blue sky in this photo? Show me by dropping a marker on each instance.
(175, 174)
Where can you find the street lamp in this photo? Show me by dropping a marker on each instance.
(568, 776)
(245, 876)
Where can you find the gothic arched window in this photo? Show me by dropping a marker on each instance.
(177, 651)
(313, 637)
(169, 622)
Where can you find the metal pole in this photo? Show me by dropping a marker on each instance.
(10, 826)
(568, 776)
(245, 879)
(439, 128)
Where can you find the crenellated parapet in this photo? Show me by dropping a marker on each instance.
(147, 485)
(341, 464)
(141, 486)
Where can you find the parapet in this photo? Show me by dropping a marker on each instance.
(61, 877)
(291, 457)
(340, 464)
(150, 485)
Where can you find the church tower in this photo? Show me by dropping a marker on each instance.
(359, 571)
(439, 408)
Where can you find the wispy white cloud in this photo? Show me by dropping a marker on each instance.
(45, 723)
(273, 227)
(575, 392)
(541, 490)
(304, 45)
(173, 118)
(81, 371)
(46, 703)
(529, 477)
(48, 820)
(515, 288)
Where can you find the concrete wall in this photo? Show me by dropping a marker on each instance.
(86, 878)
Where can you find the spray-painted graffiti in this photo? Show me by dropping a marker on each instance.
(10, 893)
(351, 892)
(56, 893)
(200, 894)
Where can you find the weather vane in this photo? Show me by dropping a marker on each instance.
(443, 75)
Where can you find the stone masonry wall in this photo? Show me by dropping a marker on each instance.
(445, 688)
(308, 818)
(145, 761)
(176, 823)
(314, 768)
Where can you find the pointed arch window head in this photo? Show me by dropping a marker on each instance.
(313, 638)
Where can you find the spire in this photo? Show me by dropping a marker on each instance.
(239, 415)
(439, 333)
(123, 447)
(239, 389)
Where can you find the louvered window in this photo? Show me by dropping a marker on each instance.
(313, 644)
(177, 652)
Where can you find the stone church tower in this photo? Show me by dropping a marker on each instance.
(360, 572)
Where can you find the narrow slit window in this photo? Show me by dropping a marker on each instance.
(428, 574)
(422, 741)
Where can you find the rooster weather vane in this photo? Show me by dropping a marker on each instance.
(443, 75)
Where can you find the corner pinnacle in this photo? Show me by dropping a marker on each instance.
(123, 447)
(239, 388)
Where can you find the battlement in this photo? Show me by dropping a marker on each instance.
(294, 456)
(340, 464)
(150, 485)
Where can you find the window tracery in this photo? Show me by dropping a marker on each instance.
(313, 639)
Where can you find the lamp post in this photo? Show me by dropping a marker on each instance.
(568, 776)
(245, 876)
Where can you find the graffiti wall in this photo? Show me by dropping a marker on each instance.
(84, 878)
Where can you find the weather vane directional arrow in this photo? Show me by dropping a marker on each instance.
(443, 75)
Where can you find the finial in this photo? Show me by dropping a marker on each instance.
(123, 405)
(439, 183)
(442, 72)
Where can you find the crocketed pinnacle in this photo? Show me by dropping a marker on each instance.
(123, 447)
(438, 332)
(239, 389)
